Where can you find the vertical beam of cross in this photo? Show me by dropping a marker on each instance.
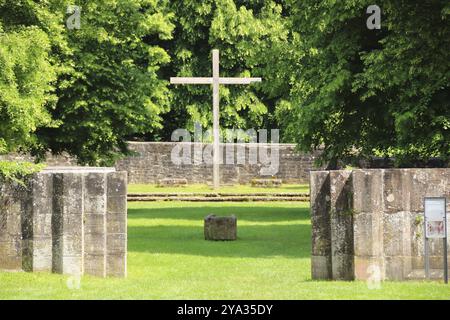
(216, 132)
(216, 81)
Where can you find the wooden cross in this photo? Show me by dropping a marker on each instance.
(216, 80)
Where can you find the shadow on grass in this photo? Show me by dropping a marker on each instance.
(289, 240)
(247, 213)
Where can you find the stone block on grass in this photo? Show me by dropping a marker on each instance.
(220, 228)
(266, 183)
(172, 182)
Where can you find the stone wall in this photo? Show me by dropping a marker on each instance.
(370, 221)
(65, 220)
(152, 162)
(63, 160)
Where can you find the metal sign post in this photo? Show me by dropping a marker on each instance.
(435, 227)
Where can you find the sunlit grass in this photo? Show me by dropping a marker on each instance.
(203, 188)
(169, 259)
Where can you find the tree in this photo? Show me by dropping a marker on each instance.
(26, 89)
(107, 83)
(112, 89)
(328, 81)
(360, 92)
(249, 35)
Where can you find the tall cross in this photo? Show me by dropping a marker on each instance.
(216, 80)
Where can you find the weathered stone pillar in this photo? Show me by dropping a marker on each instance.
(376, 217)
(320, 220)
(341, 222)
(94, 209)
(426, 183)
(10, 226)
(396, 194)
(67, 223)
(116, 224)
(37, 208)
(65, 220)
(368, 223)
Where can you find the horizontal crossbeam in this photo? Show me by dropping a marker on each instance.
(178, 80)
(238, 80)
(201, 80)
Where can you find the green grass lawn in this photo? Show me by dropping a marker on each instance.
(168, 259)
(203, 188)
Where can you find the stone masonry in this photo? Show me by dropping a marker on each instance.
(65, 220)
(220, 228)
(372, 219)
(152, 162)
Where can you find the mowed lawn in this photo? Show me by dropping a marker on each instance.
(169, 259)
(203, 188)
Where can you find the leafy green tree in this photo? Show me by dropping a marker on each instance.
(107, 83)
(360, 92)
(26, 89)
(249, 35)
(112, 89)
(328, 81)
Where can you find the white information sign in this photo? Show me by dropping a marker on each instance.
(435, 218)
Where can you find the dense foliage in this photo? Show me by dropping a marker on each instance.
(112, 89)
(359, 92)
(25, 86)
(18, 171)
(328, 81)
(250, 36)
(107, 86)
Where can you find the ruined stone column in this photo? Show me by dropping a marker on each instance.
(396, 194)
(10, 226)
(36, 212)
(94, 233)
(368, 223)
(373, 226)
(69, 220)
(341, 222)
(320, 221)
(426, 183)
(67, 223)
(116, 224)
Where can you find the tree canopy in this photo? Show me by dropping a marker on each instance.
(250, 36)
(25, 86)
(103, 77)
(329, 82)
(360, 92)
